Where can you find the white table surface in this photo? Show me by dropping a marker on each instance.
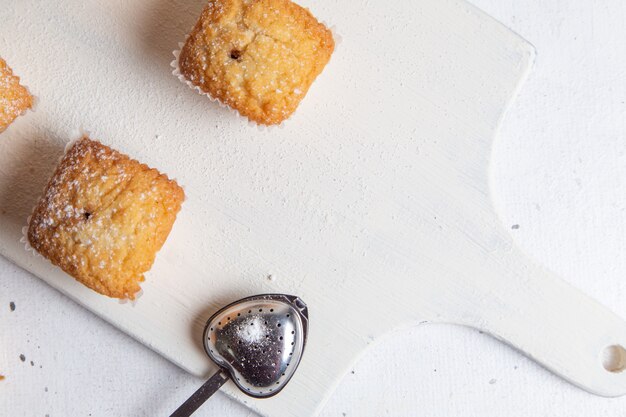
(559, 176)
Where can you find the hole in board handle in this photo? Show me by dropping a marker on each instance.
(614, 358)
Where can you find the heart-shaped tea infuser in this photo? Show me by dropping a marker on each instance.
(257, 342)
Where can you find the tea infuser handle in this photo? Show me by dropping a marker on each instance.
(202, 394)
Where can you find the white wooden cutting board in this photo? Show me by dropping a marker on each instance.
(372, 203)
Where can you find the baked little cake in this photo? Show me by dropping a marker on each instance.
(103, 217)
(257, 56)
(14, 97)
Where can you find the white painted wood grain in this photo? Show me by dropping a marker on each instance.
(400, 201)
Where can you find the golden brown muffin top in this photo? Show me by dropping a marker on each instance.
(257, 56)
(14, 98)
(103, 217)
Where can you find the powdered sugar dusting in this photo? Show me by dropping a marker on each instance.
(252, 330)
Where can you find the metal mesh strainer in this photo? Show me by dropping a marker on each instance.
(258, 342)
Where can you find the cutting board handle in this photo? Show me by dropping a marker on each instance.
(555, 324)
